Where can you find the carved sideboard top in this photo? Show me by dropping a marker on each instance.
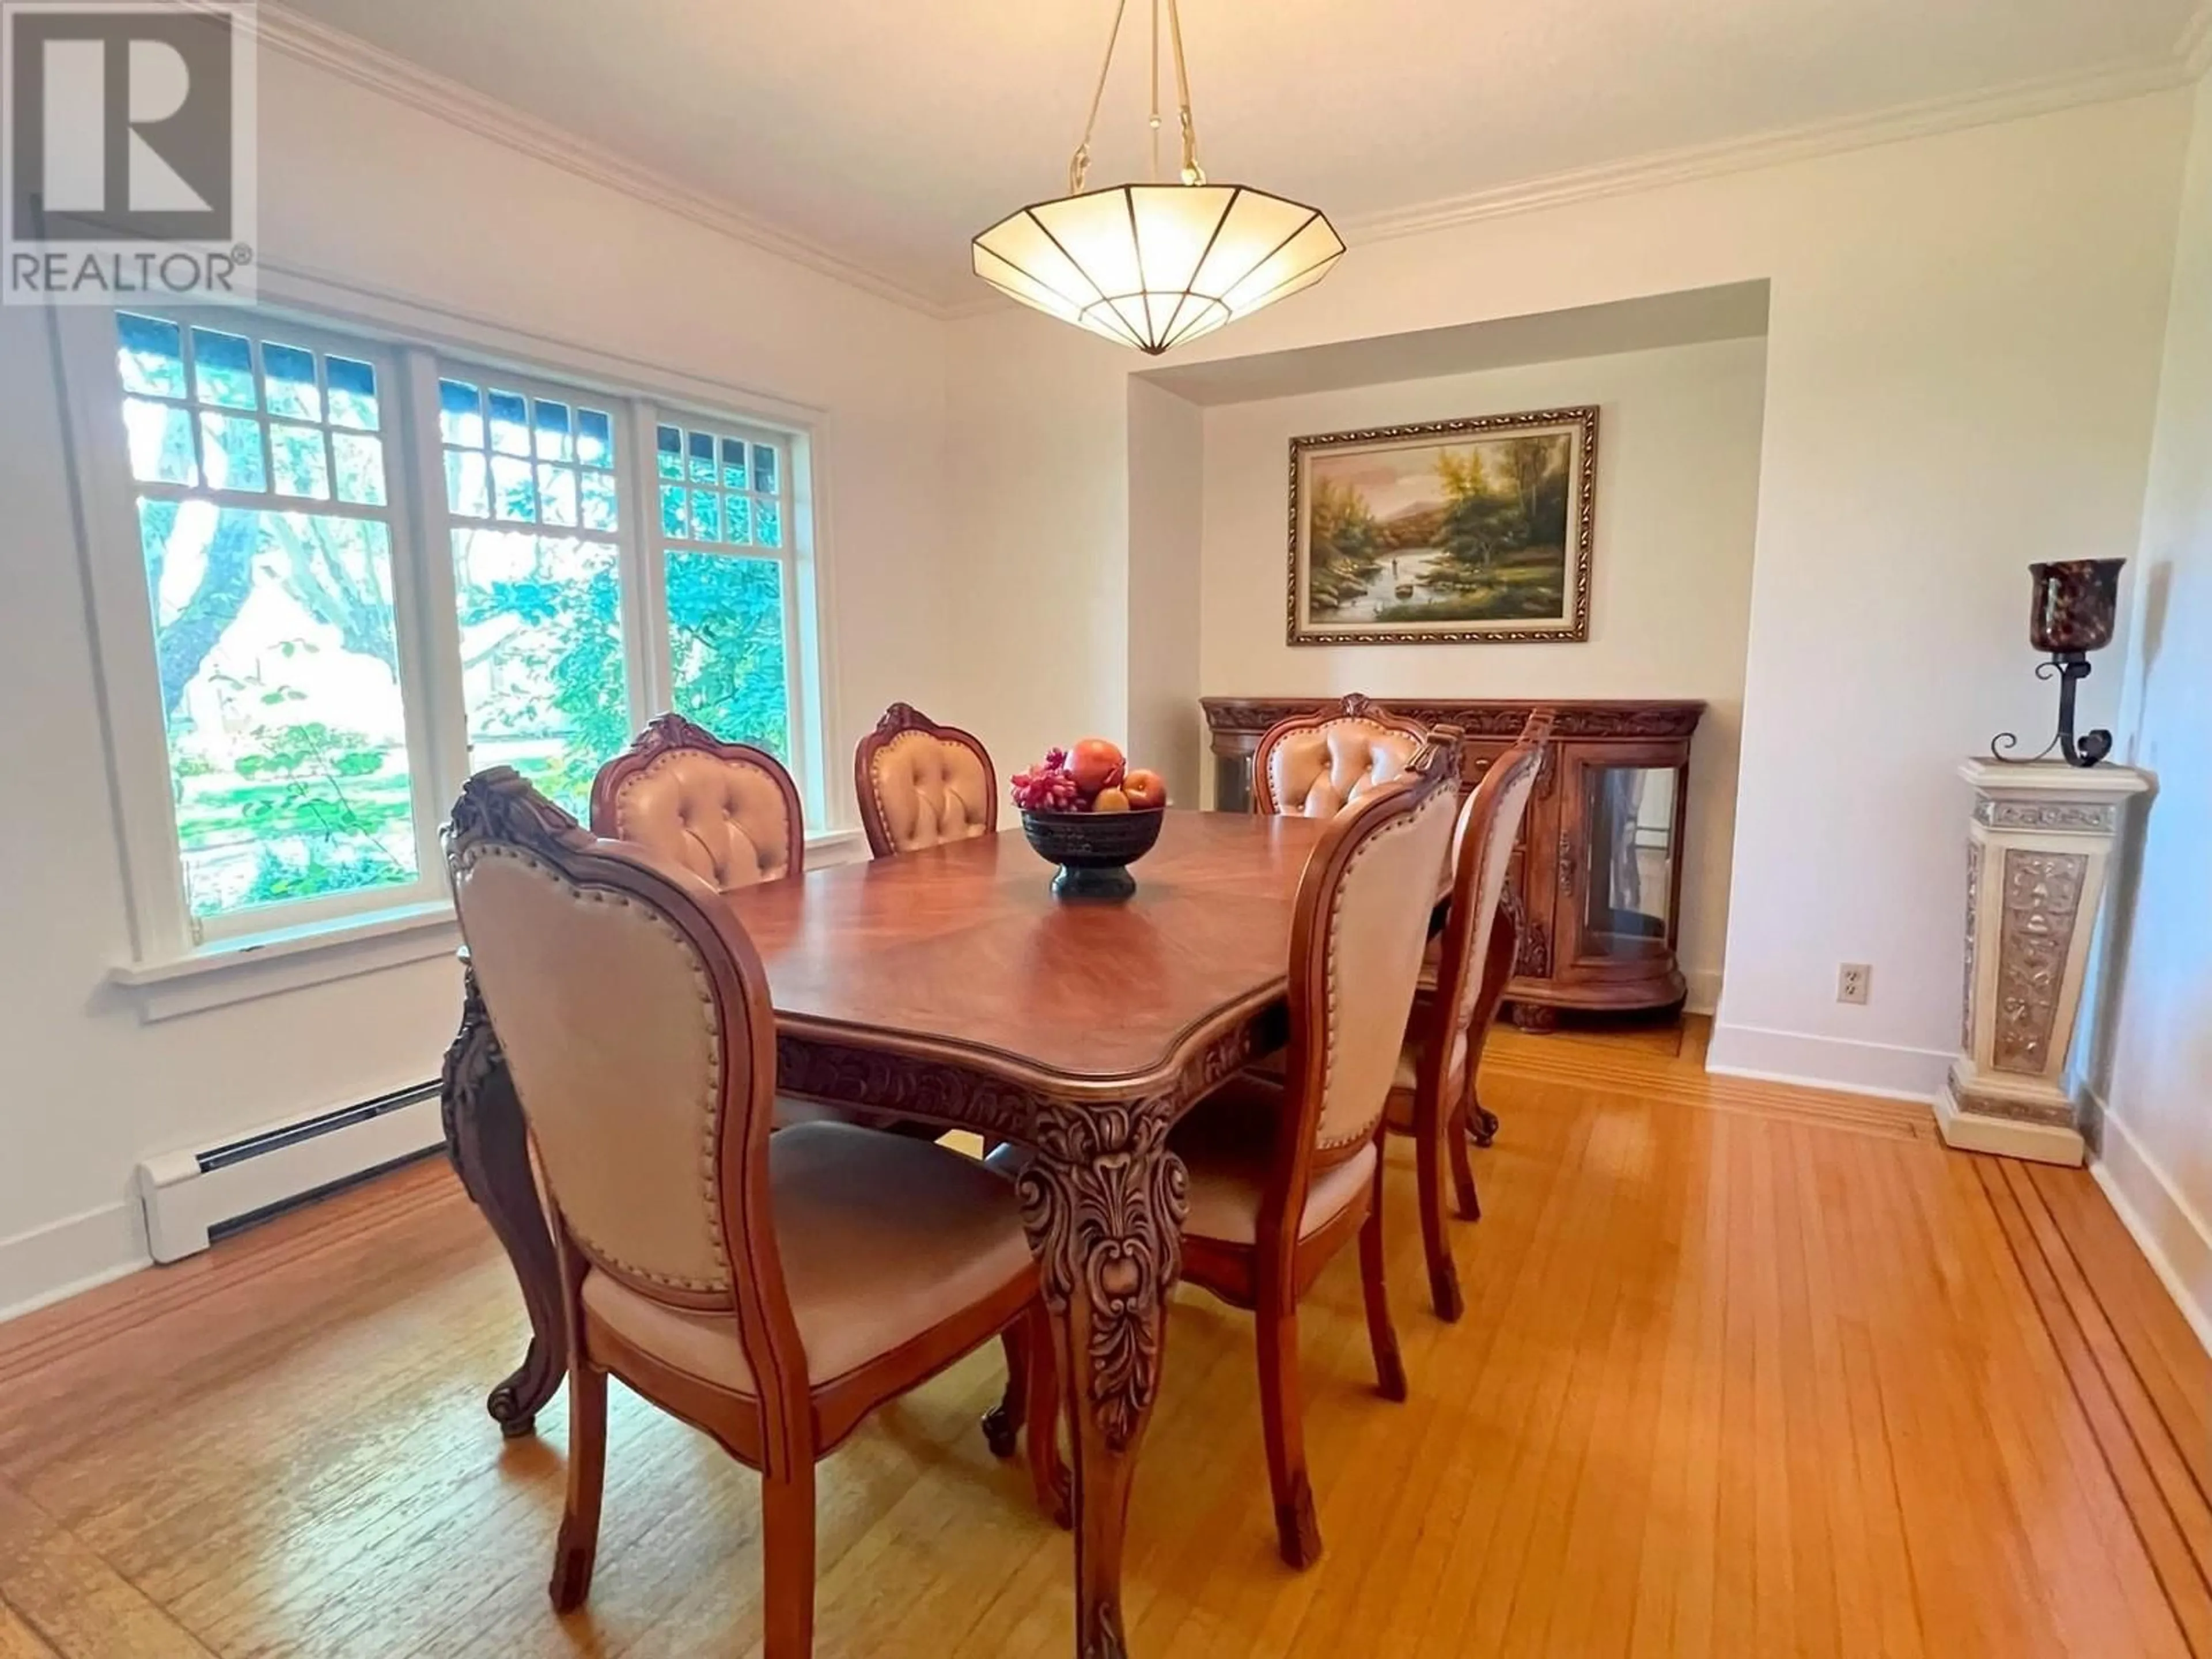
(1479, 717)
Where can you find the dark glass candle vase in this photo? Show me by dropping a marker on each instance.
(1093, 850)
(2073, 611)
(2076, 605)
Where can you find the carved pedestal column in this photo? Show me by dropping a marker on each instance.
(2037, 845)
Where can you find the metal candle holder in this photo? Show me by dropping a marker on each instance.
(2076, 605)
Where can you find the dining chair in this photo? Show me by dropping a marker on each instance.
(1282, 1174)
(1432, 1095)
(769, 1290)
(921, 784)
(728, 812)
(1315, 765)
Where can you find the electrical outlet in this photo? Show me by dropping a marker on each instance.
(1853, 979)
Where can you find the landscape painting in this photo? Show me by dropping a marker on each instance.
(1469, 530)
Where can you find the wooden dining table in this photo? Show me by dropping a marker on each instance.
(949, 986)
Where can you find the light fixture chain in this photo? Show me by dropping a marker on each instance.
(1079, 165)
(1192, 172)
(1153, 131)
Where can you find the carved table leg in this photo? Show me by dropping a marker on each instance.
(1104, 1201)
(486, 1138)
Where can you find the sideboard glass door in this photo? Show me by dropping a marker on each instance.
(1232, 781)
(1632, 816)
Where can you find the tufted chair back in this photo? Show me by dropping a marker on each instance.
(921, 784)
(1358, 935)
(633, 1015)
(1482, 853)
(1315, 765)
(727, 813)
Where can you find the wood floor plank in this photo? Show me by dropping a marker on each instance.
(63, 1600)
(2173, 1366)
(2149, 1478)
(1744, 1370)
(18, 1640)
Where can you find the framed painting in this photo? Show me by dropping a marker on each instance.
(1450, 532)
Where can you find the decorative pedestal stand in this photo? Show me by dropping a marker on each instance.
(2037, 847)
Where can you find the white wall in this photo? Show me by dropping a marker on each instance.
(1038, 451)
(1677, 499)
(1962, 362)
(1167, 439)
(2156, 1152)
(398, 206)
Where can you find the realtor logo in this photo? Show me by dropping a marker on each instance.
(127, 150)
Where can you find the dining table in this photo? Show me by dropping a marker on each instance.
(948, 986)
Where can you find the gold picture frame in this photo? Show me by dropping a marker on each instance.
(1473, 532)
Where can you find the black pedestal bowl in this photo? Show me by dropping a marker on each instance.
(1093, 850)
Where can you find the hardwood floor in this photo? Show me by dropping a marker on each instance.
(1745, 1371)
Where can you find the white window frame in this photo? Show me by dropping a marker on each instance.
(357, 932)
(802, 601)
(163, 923)
(633, 611)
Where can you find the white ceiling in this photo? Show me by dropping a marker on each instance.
(887, 136)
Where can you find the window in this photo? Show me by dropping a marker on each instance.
(723, 562)
(357, 571)
(258, 468)
(534, 509)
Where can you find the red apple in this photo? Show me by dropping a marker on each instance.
(1146, 789)
(1096, 765)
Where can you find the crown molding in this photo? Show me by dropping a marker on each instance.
(1774, 148)
(351, 58)
(284, 29)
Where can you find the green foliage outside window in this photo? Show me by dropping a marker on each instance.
(284, 797)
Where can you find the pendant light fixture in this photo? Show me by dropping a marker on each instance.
(1154, 264)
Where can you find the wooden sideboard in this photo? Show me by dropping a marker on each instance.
(1596, 878)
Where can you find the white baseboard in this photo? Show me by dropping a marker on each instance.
(2174, 1237)
(65, 1257)
(1704, 996)
(1824, 1062)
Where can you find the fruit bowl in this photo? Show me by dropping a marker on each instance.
(1093, 850)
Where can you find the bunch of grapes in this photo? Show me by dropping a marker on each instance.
(1049, 786)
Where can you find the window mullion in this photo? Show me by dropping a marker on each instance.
(645, 568)
(437, 722)
(806, 607)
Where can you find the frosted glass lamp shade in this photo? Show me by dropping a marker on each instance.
(1154, 265)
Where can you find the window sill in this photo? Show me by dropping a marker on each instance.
(241, 969)
(835, 847)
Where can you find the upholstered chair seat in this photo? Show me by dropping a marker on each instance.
(920, 785)
(1317, 765)
(882, 1238)
(1225, 1144)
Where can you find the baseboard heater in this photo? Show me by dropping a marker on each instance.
(192, 1198)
